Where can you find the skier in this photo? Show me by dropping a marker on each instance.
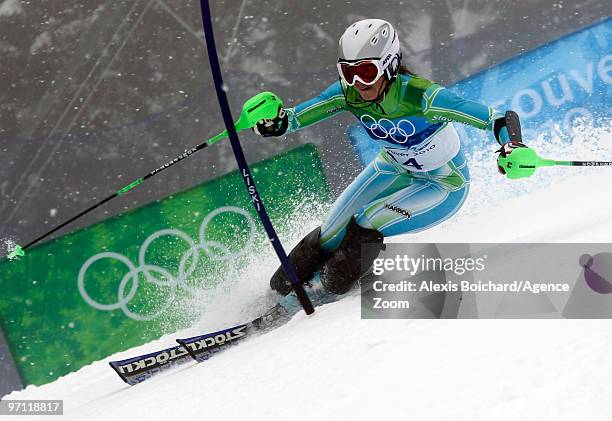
(420, 177)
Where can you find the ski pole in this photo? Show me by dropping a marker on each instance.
(262, 106)
(523, 162)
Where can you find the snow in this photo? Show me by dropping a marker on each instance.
(10, 7)
(333, 365)
(42, 41)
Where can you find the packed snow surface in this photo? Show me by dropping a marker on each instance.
(333, 365)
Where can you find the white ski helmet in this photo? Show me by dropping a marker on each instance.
(370, 39)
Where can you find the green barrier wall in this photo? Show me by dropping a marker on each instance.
(121, 283)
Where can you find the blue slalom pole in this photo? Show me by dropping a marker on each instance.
(242, 164)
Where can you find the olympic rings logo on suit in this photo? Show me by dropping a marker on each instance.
(185, 270)
(384, 128)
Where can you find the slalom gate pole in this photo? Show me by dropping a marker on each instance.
(242, 164)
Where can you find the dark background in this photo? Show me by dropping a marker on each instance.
(95, 93)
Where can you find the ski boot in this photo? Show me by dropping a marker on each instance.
(307, 258)
(344, 267)
(316, 293)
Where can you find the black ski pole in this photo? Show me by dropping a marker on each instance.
(261, 106)
(20, 250)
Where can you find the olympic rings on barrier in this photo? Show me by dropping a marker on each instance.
(384, 128)
(212, 249)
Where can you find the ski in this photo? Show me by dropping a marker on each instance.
(200, 348)
(205, 346)
(138, 369)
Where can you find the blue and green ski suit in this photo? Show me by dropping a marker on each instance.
(420, 178)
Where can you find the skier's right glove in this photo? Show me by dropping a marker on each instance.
(506, 150)
(273, 127)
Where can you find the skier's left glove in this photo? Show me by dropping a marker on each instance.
(273, 127)
(506, 150)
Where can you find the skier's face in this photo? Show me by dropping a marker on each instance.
(370, 92)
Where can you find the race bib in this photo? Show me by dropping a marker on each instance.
(430, 154)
